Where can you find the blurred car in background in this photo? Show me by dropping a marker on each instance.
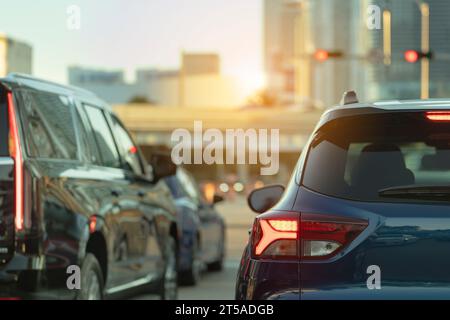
(202, 229)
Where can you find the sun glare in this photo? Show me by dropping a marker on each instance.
(251, 81)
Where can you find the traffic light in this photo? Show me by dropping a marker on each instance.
(413, 56)
(322, 55)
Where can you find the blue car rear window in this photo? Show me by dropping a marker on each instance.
(356, 157)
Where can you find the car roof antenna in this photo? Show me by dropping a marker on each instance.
(349, 97)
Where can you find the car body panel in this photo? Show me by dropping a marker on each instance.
(408, 242)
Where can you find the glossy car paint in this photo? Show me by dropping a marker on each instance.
(134, 218)
(408, 241)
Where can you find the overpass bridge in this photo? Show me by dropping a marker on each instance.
(153, 126)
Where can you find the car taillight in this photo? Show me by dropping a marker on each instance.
(275, 235)
(323, 236)
(439, 116)
(306, 236)
(16, 153)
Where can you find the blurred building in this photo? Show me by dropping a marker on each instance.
(108, 85)
(148, 75)
(85, 76)
(159, 86)
(279, 47)
(200, 64)
(338, 26)
(401, 79)
(198, 83)
(15, 56)
(294, 30)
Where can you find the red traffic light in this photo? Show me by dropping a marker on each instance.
(321, 55)
(411, 56)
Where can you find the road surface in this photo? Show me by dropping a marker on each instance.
(220, 285)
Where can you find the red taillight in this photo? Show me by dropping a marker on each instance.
(16, 154)
(273, 231)
(305, 236)
(133, 150)
(442, 116)
(92, 224)
(284, 225)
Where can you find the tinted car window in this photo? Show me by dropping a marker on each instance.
(49, 125)
(357, 157)
(127, 148)
(102, 134)
(90, 143)
(85, 152)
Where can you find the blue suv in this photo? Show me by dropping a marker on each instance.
(366, 214)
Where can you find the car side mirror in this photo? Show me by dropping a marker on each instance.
(162, 166)
(261, 200)
(217, 198)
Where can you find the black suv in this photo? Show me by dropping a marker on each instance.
(81, 212)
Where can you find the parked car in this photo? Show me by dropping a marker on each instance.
(366, 209)
(202, 241)
(75, 191)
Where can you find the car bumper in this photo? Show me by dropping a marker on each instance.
(13, 270)
(268, 280)
(21, 278)
(387, 292)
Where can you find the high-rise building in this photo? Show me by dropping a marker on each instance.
(337, 26)
(280, 32)
(15, 56)
(294, 30)
(401, 80)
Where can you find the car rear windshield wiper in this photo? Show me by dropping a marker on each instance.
(420, 192)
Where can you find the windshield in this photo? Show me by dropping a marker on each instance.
(357, 157)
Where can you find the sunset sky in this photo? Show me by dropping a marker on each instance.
(120, 34)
